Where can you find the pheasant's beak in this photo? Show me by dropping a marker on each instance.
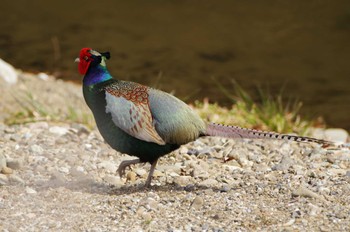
(77, 60)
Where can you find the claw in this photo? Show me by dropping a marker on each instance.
(124, 164)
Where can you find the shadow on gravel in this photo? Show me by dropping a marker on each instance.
(88, 185)
(163, 188)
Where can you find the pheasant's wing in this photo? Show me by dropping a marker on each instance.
(128, 104)
(174, 120)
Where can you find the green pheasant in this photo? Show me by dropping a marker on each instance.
(145, 122)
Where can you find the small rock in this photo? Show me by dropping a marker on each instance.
(336, 172)
(9, 130)
(314, 210)
(81, 129)
(64, 170)
(197, 203)
(147, 216)
(15, 137)
(284, 165)
(58, 130)
(141, 172)
(43, 76)
(182, 180)
(16, 179)
(209, 183)
(173, 174)
(36, 149)
(225, 189)
(14, 163)
(298, 169)
(305, 192)
(140, 210)
(2, 161)
(61, 140)
(30, 190)
(3, 179)
(347, 174)
(339, 155)
(131, 176)
(261, 168)
(336, 135)
(6, 170)
(8, 72)
(231, 168)
(183, 150)
(157, 173)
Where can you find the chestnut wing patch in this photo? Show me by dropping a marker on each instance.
(129, 107)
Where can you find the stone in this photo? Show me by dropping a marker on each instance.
(16, 179)
(6, 170)
(43, 76)
(305, 192)
(197, 203)
(2, 160)
(336, 135)
(131, 176)
(182, 180)
(81, 129)
(313, 210)
(30, 190)
(284, 165)
(8, 73)
(225, 188)
(336, 172)
(209, 183)
(14, 163)
(36, 149)
(9, 130)
(3, 179)
(183, 150)
(58, 130)
(261, 168)
(157, 173)
(146, 216)
(141, 172)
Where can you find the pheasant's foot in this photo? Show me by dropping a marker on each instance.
(149, 178)
(124, 164)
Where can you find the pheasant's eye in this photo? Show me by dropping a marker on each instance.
(86, 58)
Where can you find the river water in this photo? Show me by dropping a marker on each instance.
(179, 46)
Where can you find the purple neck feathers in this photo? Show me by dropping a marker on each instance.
(96, 75)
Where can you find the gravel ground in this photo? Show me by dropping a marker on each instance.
(62, 177)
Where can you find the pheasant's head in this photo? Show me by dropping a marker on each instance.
(89, 57)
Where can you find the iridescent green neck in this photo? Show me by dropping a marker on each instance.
(96, 74)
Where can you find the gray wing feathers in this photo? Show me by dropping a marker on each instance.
(174, 121)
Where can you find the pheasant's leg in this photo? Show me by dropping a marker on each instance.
(149, 178)
(126, 163)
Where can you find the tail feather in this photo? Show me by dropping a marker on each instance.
(214, 129)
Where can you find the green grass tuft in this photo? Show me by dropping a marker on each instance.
(272, 113)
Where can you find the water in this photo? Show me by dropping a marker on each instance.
(180, 46)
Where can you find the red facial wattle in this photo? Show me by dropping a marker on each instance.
(84, 60)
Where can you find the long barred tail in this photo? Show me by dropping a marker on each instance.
(214, 129)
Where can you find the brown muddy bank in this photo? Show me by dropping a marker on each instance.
(180, 45)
